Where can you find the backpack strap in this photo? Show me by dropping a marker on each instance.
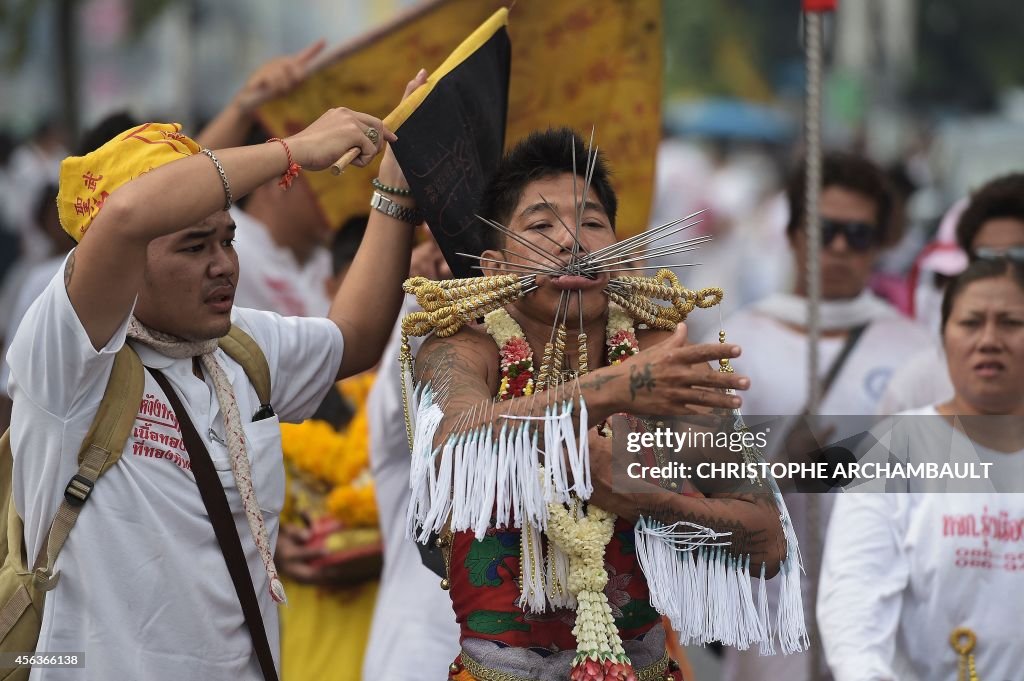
(7, 544)
(100, 450)
(239, 346)
(111, 427)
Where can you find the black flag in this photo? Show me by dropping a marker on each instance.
(453, 137)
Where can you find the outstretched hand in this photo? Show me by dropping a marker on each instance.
(277, 77)
(674, 379)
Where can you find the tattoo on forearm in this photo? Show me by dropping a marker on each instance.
(640, 380)
(719, 515)
(596, 382)
(69, 269)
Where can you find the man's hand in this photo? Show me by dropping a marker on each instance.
(674, 379)
(390, 172)
(750, 519)
(275, 78)
(294, 556)
(335, 132)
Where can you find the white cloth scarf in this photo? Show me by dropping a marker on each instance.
(833, 315)
(177, 348)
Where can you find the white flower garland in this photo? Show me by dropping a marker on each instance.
(502, 326)
(583, 539)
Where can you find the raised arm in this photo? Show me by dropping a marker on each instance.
(277, 77)
(367, 304)
(674, 374)
(104, 273)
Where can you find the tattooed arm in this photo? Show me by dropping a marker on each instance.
(463, 371)
(669, 378)
(750, 514)
(752, 519)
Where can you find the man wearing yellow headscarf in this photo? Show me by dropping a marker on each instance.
(144, 588)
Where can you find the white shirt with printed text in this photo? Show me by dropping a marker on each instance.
(144, 590)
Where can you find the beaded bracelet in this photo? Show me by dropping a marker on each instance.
(397, 191)
(223, 178)
(293, 168)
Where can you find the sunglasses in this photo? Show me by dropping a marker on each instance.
(860, 236)
(1014, 253)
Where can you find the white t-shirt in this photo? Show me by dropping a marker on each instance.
(922, 435)
(414, 634)
(36, 279)
(775, 358)
(270, 278)
(924, 380)
(144, 589)
(902, 571)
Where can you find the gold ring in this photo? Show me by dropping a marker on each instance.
(373, 135)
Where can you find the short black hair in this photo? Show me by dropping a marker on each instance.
(45, 199)
(542, 154)
(104, 131)
(976, 271)
(346, 242)
(854, 173)
(1002, 197)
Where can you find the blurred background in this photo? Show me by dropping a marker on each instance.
(931, 89)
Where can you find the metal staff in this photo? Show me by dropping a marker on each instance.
(813, 24)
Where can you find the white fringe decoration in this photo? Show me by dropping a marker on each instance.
(423, 481)
(531, 568)
(707, 593)
(587, 488)
(791, 629)
(480, 478)
(503, 482)
(767, 640)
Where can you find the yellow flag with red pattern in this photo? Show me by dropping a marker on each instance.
(575, 63)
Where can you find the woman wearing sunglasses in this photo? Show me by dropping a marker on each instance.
(914, 585)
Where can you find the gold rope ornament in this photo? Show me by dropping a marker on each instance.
(450, 304)
(636, 295)
(963, 641)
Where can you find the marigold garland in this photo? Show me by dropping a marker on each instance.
(336, 463)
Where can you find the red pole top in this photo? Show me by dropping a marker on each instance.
(819, 5)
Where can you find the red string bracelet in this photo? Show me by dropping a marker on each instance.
(293, 167)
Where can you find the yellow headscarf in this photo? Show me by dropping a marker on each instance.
(87, 181)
